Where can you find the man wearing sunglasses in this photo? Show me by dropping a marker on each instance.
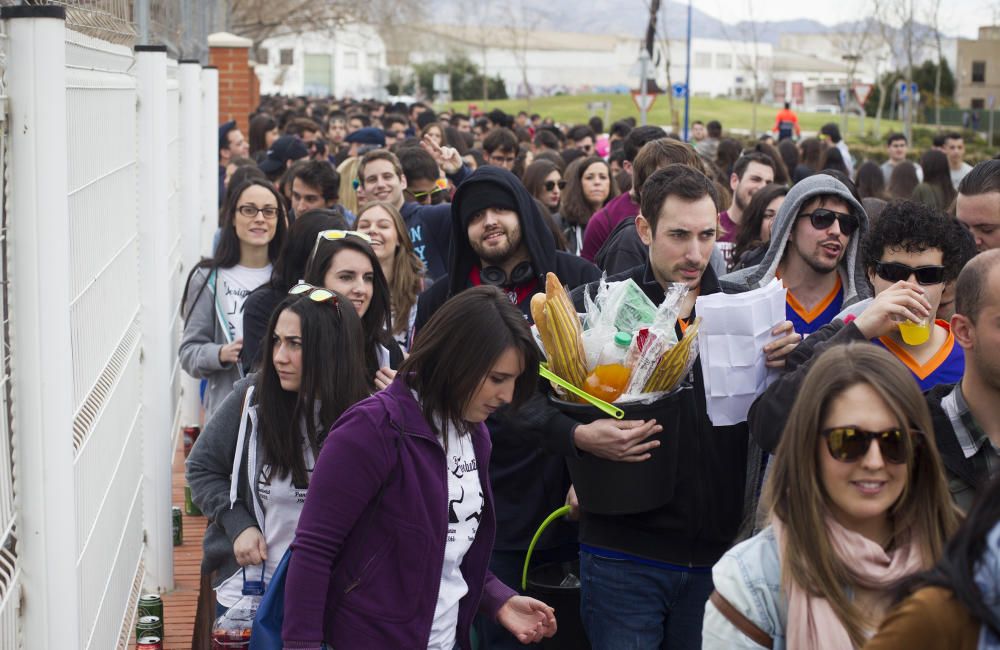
(911, 252)
(814, 250)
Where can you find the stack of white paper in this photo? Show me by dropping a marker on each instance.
(734, 330)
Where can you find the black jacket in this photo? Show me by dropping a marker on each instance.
(704, 517)
(527, 470)
(769, 412)
(622, 250)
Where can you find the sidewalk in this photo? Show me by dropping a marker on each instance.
(179, 605)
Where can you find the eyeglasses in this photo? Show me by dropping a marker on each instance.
(850, 444)
(250, 211)
(925, 275)
(551, 185)
(821, 219)
(316, 294)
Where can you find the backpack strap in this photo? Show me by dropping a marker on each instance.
(739, 621)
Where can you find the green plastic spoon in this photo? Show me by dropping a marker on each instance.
(610, 409)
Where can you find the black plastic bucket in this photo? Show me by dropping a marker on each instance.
(548, 583)
(608, 487)
(545, 583)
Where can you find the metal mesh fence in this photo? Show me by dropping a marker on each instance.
(182, 25)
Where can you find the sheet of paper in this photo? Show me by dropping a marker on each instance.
(733, 332)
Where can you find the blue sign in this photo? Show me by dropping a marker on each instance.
(902, 89)
(679, 90)
(908, 90)
(843, 98)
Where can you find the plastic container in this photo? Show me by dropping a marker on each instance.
(232, 630)
(608, 487)
(610, 378)
(557, 584)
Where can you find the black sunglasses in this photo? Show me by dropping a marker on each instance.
(895, 272)
(850, 444)
(821, 219)
(551, 185)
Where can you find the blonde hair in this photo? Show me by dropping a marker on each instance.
(407, 269)
(796, 495)
(348, 171)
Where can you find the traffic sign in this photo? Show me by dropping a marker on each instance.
(862, 92)
(903, 88)
(906, 91)
(679, 90)
(643, 102)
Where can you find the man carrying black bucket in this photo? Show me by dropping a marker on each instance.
(499, 237)
(646, 570)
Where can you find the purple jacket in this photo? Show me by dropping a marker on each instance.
(367, 575)
(604, 221)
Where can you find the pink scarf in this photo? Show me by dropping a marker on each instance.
(812, 623)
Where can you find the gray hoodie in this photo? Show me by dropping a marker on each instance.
(852, 272)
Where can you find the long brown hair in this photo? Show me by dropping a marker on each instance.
(573, 206)
(407, 269)
(795, 492)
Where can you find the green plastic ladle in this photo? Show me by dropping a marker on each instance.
(610, 409)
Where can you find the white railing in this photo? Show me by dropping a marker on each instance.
(96, 246)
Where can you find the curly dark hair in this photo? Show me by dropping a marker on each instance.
(914, 227)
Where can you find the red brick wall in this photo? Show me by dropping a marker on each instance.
(238, 88)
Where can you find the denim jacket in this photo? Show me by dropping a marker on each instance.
(749, 577)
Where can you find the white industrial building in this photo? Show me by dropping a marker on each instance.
(349, 61)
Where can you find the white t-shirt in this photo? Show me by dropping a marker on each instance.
(282, 504)
(465, 507)
(958, 174)
(233, 287)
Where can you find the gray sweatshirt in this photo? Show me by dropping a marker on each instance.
(209, 470)
(203, 338)
(852, 272)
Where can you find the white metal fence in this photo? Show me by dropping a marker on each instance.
(95, 249)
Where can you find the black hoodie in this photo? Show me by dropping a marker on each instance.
(527, 469)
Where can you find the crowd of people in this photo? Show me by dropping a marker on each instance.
(372, 407)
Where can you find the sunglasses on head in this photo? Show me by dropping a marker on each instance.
(850, 444)
(821, 219)
(316, 294)
(334, 235)
(925, 275)
(551, 185)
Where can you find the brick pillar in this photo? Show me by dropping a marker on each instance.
(238, 88)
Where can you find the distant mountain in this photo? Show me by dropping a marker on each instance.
(630, 17)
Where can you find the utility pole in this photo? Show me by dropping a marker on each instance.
(687, 77)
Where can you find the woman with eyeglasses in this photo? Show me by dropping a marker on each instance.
(252, 235)
(544, 181)
(343, 261)
(393, 545)
(589, 186)
(857, 502)
(403, 270)
(251, 467)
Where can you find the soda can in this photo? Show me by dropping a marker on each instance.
(191, 433)
(151, 605)
(149, 626)
(178, 525)
(149, 643)
(189, 507)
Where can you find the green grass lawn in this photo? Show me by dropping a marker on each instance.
(733, 114)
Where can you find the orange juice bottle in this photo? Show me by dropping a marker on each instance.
(610, 378)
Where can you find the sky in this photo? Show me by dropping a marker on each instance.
(960, 18)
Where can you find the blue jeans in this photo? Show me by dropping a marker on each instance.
(631, 606)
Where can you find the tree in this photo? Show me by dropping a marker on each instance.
(467, 81)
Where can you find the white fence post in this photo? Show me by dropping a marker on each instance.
(155, 317)
(40, 320)
(210, 157)
(191, 134)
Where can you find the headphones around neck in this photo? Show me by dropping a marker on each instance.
(497, 277)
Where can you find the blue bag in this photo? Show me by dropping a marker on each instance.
(266, 634)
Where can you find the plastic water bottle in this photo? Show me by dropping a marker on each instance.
(610, 378)
(232, 630)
